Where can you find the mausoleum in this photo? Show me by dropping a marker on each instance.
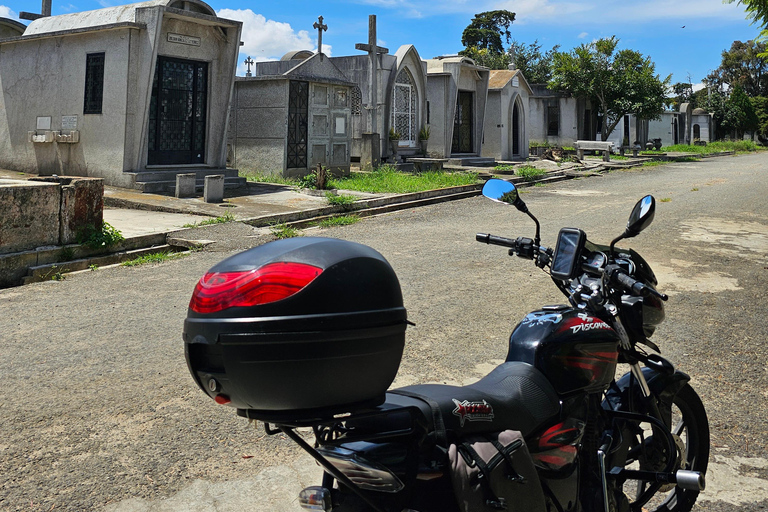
(457, 90)
(288, 122)
(505, 136)
(133, 94)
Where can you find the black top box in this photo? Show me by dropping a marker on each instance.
(297, 329)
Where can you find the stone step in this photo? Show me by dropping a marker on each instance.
(169, 186)
(472, 161)
(163, 181)
(50, 271)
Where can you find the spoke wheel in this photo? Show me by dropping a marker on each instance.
(690, 429)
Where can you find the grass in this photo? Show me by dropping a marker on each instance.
(343, 220)
(530, 173)
(653, 163)
(505, 168)
(665, 199)
(386, 179)
(282, 231)
(222, 219)
(155, 257)
(740, 146)
(345, 200)
(260, 177)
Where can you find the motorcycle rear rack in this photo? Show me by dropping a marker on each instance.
(325, 431)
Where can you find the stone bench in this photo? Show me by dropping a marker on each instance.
(593, 145)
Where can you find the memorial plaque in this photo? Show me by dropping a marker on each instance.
(44, 123)
(182, 39)
(69, 122)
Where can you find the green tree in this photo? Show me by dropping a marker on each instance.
(760, 104)
(743, 65)
(757, 11)
(535, 65)
(739, 115)
(482, 39)
(486, 30)
(487, 58)
(616, 82)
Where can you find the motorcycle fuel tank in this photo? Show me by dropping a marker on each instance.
(575, 351)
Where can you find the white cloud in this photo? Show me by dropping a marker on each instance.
(583, 35)
(6, 12)
(613, 11)
(571, 12)
(265, 40)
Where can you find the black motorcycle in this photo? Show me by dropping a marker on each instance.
(309, 333)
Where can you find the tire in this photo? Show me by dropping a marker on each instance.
(691, 428)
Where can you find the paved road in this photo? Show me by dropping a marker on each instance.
(99, 410)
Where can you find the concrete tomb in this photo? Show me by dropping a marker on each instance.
(131, 94)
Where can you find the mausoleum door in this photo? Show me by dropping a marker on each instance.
(177, 112)
(298, 122)
(516, 130)
(329, 113)
(404, 109)
(462, 123)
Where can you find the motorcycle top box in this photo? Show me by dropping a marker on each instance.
(297, 329)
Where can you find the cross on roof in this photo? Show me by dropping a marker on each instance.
(45, 11)
(320, 28)
(248, 63)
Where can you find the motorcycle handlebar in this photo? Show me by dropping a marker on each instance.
(488, 238)
(633, 285)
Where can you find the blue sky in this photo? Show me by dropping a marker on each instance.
(654, 27)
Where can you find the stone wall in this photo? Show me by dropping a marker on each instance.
(48, 211)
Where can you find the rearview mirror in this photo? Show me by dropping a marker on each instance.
(641, 216)
(503, 192)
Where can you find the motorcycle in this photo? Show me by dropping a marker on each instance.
(550, 429)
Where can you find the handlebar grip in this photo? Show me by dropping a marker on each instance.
(487, 238)
(636, 286)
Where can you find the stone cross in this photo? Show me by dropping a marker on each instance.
(320, 28)
(248, 63)
(45, 11)
(373, 52)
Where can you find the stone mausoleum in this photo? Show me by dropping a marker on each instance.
(288, 122)
(132, 94)
(505, 136)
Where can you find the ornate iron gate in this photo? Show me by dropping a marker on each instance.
(298, 121)
(177, 112)
(462, 124)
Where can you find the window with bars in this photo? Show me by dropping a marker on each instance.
(94, 83)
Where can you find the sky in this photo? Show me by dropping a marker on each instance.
(684, 38)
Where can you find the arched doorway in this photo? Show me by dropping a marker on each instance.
(516, 131)
(405, 108)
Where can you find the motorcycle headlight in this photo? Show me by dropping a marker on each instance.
(367, 475)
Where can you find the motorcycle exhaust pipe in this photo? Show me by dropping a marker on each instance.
(690, 480)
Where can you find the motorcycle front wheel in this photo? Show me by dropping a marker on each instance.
(690, 429)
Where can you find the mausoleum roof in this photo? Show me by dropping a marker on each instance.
(109, 16)
(699, 112)
(10, 27)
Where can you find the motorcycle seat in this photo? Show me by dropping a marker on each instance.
(515, 395)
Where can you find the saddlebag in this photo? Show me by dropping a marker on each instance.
(495, 472)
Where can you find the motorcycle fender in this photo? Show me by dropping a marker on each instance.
(663, 385)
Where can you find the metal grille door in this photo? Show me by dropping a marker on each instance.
(298, 121)
(462, 124)
(404, 108)
(177, 112)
